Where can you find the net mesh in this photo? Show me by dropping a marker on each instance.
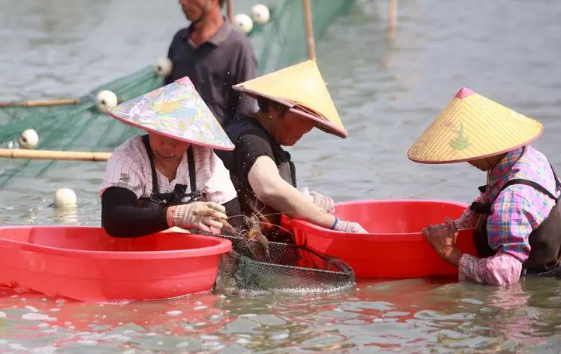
(286, 269)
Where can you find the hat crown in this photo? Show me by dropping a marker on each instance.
(464, 92)
(177, 111)
(471, 127)
(302, 88)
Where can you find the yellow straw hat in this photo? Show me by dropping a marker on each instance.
(473, 127)
(301, 88)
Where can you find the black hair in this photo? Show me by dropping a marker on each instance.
(221, 2)
(265, 104)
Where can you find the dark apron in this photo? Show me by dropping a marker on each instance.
(178, 196)
(545, 241)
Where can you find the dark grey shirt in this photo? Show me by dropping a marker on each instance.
(224, 60)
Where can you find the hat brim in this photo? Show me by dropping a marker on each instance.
(473, 158)
(174, 137)
(321, 123)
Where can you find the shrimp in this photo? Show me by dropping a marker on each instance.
(254, 233)
(223, 221)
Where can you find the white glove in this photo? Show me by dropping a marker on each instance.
(324, 203)
(349, 226)
(199, 215)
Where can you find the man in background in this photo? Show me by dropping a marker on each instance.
(215, 56)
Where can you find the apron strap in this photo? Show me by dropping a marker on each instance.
(192, 169)
(555, 176)
(485, 208)
(191, 166)
(155, 188)
(529, 183)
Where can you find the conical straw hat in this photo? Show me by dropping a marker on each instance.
(302, 89)
(473, 127)
(176, 111)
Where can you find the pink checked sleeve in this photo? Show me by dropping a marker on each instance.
(500, 269)
(468, 219)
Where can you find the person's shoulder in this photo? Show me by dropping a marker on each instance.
(182, 32)
(242, 125)
(239, 40)
(238, 36)
(536, 156)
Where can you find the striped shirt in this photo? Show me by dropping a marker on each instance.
(516, 212)
(129, 167)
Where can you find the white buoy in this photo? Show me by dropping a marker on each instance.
(28, 139)
(65, 198)
(260, 14)
(105, 100)
(163, 67)
(243, 22)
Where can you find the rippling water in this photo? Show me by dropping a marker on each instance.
(387, 92)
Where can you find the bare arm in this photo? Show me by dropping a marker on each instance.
(274, 191)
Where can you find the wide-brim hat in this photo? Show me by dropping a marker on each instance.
(301, 88)
(473, 127)
(176, 111)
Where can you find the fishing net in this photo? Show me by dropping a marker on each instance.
(286, 269)
(82, 127)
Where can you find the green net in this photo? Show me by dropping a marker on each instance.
(285, 269)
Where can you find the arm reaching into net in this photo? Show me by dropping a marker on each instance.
(121, 217)
(274, 191)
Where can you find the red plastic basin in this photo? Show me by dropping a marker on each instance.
(86, 264)
(394, 247)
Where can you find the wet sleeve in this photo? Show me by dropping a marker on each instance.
(500, 269)
(121, 217)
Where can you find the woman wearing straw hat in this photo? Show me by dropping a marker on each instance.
(291, 102)
(169, 177)
(517, 219)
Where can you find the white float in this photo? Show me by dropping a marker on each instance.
(163, 67)
(105, 100)
(28, 139)
(260, 14)
(65, 198)
(243, 22)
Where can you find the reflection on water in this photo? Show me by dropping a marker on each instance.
(386, 92)
(417, 316)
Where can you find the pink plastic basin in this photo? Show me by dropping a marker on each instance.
(86, 264)
(394, 246)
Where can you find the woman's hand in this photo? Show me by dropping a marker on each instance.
(349, 226)
(199, 215)
(323, 202)
(442, 238)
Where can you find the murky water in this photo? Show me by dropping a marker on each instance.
(386, 91)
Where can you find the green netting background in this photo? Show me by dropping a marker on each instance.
(280, 42)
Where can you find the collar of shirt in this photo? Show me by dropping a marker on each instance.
(218, 38)
(498, 175)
